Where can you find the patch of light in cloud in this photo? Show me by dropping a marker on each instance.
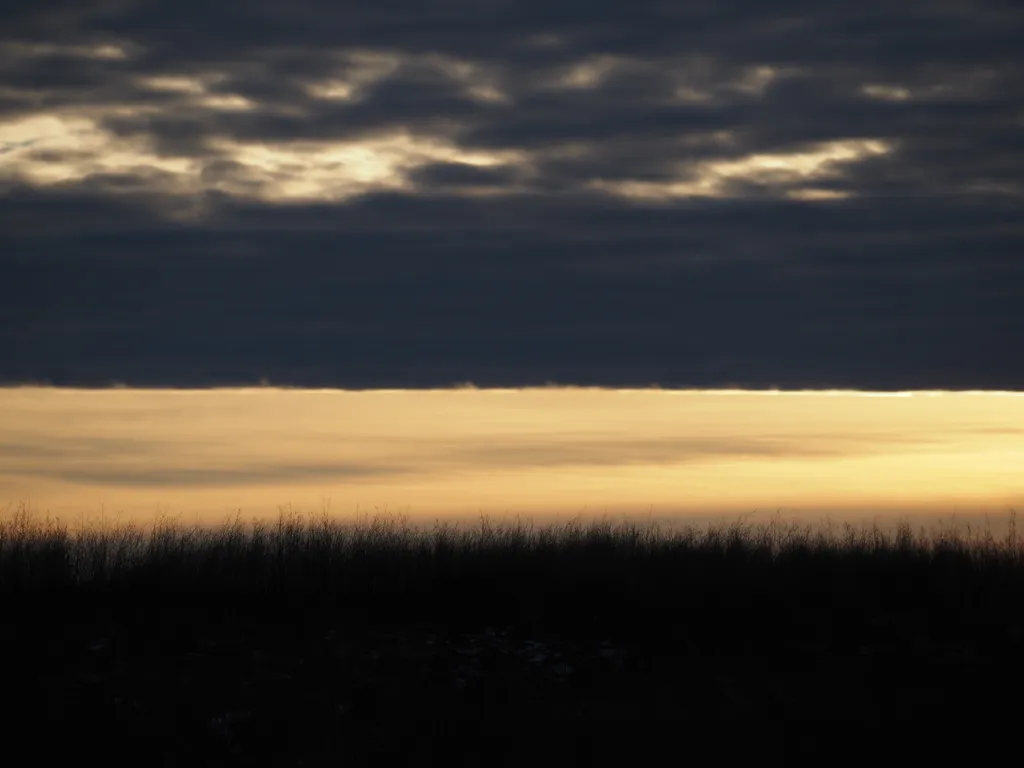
(174, 84)
(334, 170)
(817, 194)
(700, 81)
(73, 145)
(886, 92)
(588, 73)
(102, 52)
(698, 78)
(756, 80)
(195, 91)
(231, 102)
(358, 69)
(957, 86)
(269, 171)
(819, 162)
(476, 82)
(84, 148)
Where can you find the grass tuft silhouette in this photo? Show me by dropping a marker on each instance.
(307, 640)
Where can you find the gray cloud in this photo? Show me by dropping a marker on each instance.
(462, 175)
(413, 194)
(212, 477)
(72, 460)
(64, 448)
(545, 452)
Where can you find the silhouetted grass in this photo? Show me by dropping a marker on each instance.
(260, 643)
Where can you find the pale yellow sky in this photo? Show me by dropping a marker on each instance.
(542, 452)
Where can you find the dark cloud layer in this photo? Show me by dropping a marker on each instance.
(402, 193)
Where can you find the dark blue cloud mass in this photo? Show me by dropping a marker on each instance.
(686, 193)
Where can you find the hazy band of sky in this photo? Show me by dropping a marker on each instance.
(453, 454)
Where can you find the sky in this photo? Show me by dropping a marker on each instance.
(506, 195)
(414, 194)
(675, 458)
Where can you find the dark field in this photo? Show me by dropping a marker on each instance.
(308, 643)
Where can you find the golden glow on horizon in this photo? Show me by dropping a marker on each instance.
(549, 451)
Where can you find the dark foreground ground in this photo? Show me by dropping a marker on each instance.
(307, 644)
